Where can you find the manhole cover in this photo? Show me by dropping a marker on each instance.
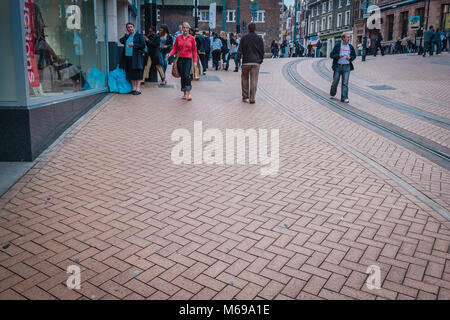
(383, 87)
(264, 72)
(209, 78)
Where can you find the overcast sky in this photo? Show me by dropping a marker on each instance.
(289, 2)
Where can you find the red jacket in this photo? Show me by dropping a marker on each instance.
(189, 50)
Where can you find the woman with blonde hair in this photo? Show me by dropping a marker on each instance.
(186, 51)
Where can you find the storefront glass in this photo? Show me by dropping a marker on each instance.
(65, 46)
(7, 75)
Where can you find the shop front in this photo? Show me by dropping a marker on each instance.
(54, 69)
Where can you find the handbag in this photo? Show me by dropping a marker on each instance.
(175, 72)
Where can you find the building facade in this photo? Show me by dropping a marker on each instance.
(267, 20)
(394, 19)
(327, 20)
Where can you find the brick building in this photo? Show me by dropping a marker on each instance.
(175, 12)
(328, 19)
(395, 18)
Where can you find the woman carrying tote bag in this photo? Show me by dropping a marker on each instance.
(186, 51)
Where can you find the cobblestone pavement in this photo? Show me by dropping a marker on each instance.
(108, 198)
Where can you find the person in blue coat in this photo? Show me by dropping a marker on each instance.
(134, 43)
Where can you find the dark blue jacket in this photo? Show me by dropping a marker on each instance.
(137, 61)
(336, 52)
(429, 34)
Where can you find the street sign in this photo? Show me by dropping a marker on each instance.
(212, 15)
(414, 22)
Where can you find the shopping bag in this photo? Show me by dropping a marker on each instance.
(95, 79)
(175, 72)
(117, 80)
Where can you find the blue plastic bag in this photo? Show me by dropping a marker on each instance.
(118, 82)
(95, 79)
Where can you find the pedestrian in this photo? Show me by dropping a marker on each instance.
(319, 46)
(207, 50)
(378, 40)
(216, 47)
(251, 52)
(166, 45)
(134, 43)
(309, 49)
(275, 48)
(233, 51)
(153, 42)
(437, 41)
(200, 41)
(342, 54)
(427, 39)
(186, 51)
(180, 31)
(225, 50)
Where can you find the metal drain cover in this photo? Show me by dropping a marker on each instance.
(382, 87)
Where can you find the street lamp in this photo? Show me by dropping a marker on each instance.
(364, 7)
(238, 17)
(196, 14)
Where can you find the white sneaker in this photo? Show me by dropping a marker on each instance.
(345, 100)
(332, 97)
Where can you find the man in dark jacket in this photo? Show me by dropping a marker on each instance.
(428, 44)
(378, 40)
(251, 51)
(342, 54)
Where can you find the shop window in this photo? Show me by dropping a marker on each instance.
(7, 75)
(69, 46)
(204, 16)
(421, 13)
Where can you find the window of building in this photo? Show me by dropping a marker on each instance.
(231, 15)
(8, 74)
(330, 5)
(324, 23)
(421, 13)
(348, 2)
(330, 21)
(339, 20)
(404, 23)
(204, 16)
(317, 10)
(69, 47)
(340, 3)
(347, 18)
(312, 13)
(324, 7)
(158, 15)
(260, 16)
(317, 26)
(312, 28)
(390, 26)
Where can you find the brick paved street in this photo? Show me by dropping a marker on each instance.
(108, 198)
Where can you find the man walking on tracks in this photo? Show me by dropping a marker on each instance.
(343, 54)
(251, 51)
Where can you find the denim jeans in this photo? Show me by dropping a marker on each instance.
(184, 66)
(428, 47)
(344, 70)
(164, 62)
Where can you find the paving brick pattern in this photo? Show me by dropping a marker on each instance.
(425, 175)
(108, 198)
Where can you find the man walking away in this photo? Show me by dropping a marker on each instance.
(319, 46)
(428, 38)
(437, 41)
(251, 51)
(378, 40)
(343, 54)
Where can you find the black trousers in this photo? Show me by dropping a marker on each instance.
(184, 66)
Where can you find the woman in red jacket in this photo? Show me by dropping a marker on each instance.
(185, 47)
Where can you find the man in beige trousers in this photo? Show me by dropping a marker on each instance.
(251, 52)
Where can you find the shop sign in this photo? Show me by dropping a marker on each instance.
(33, 76)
